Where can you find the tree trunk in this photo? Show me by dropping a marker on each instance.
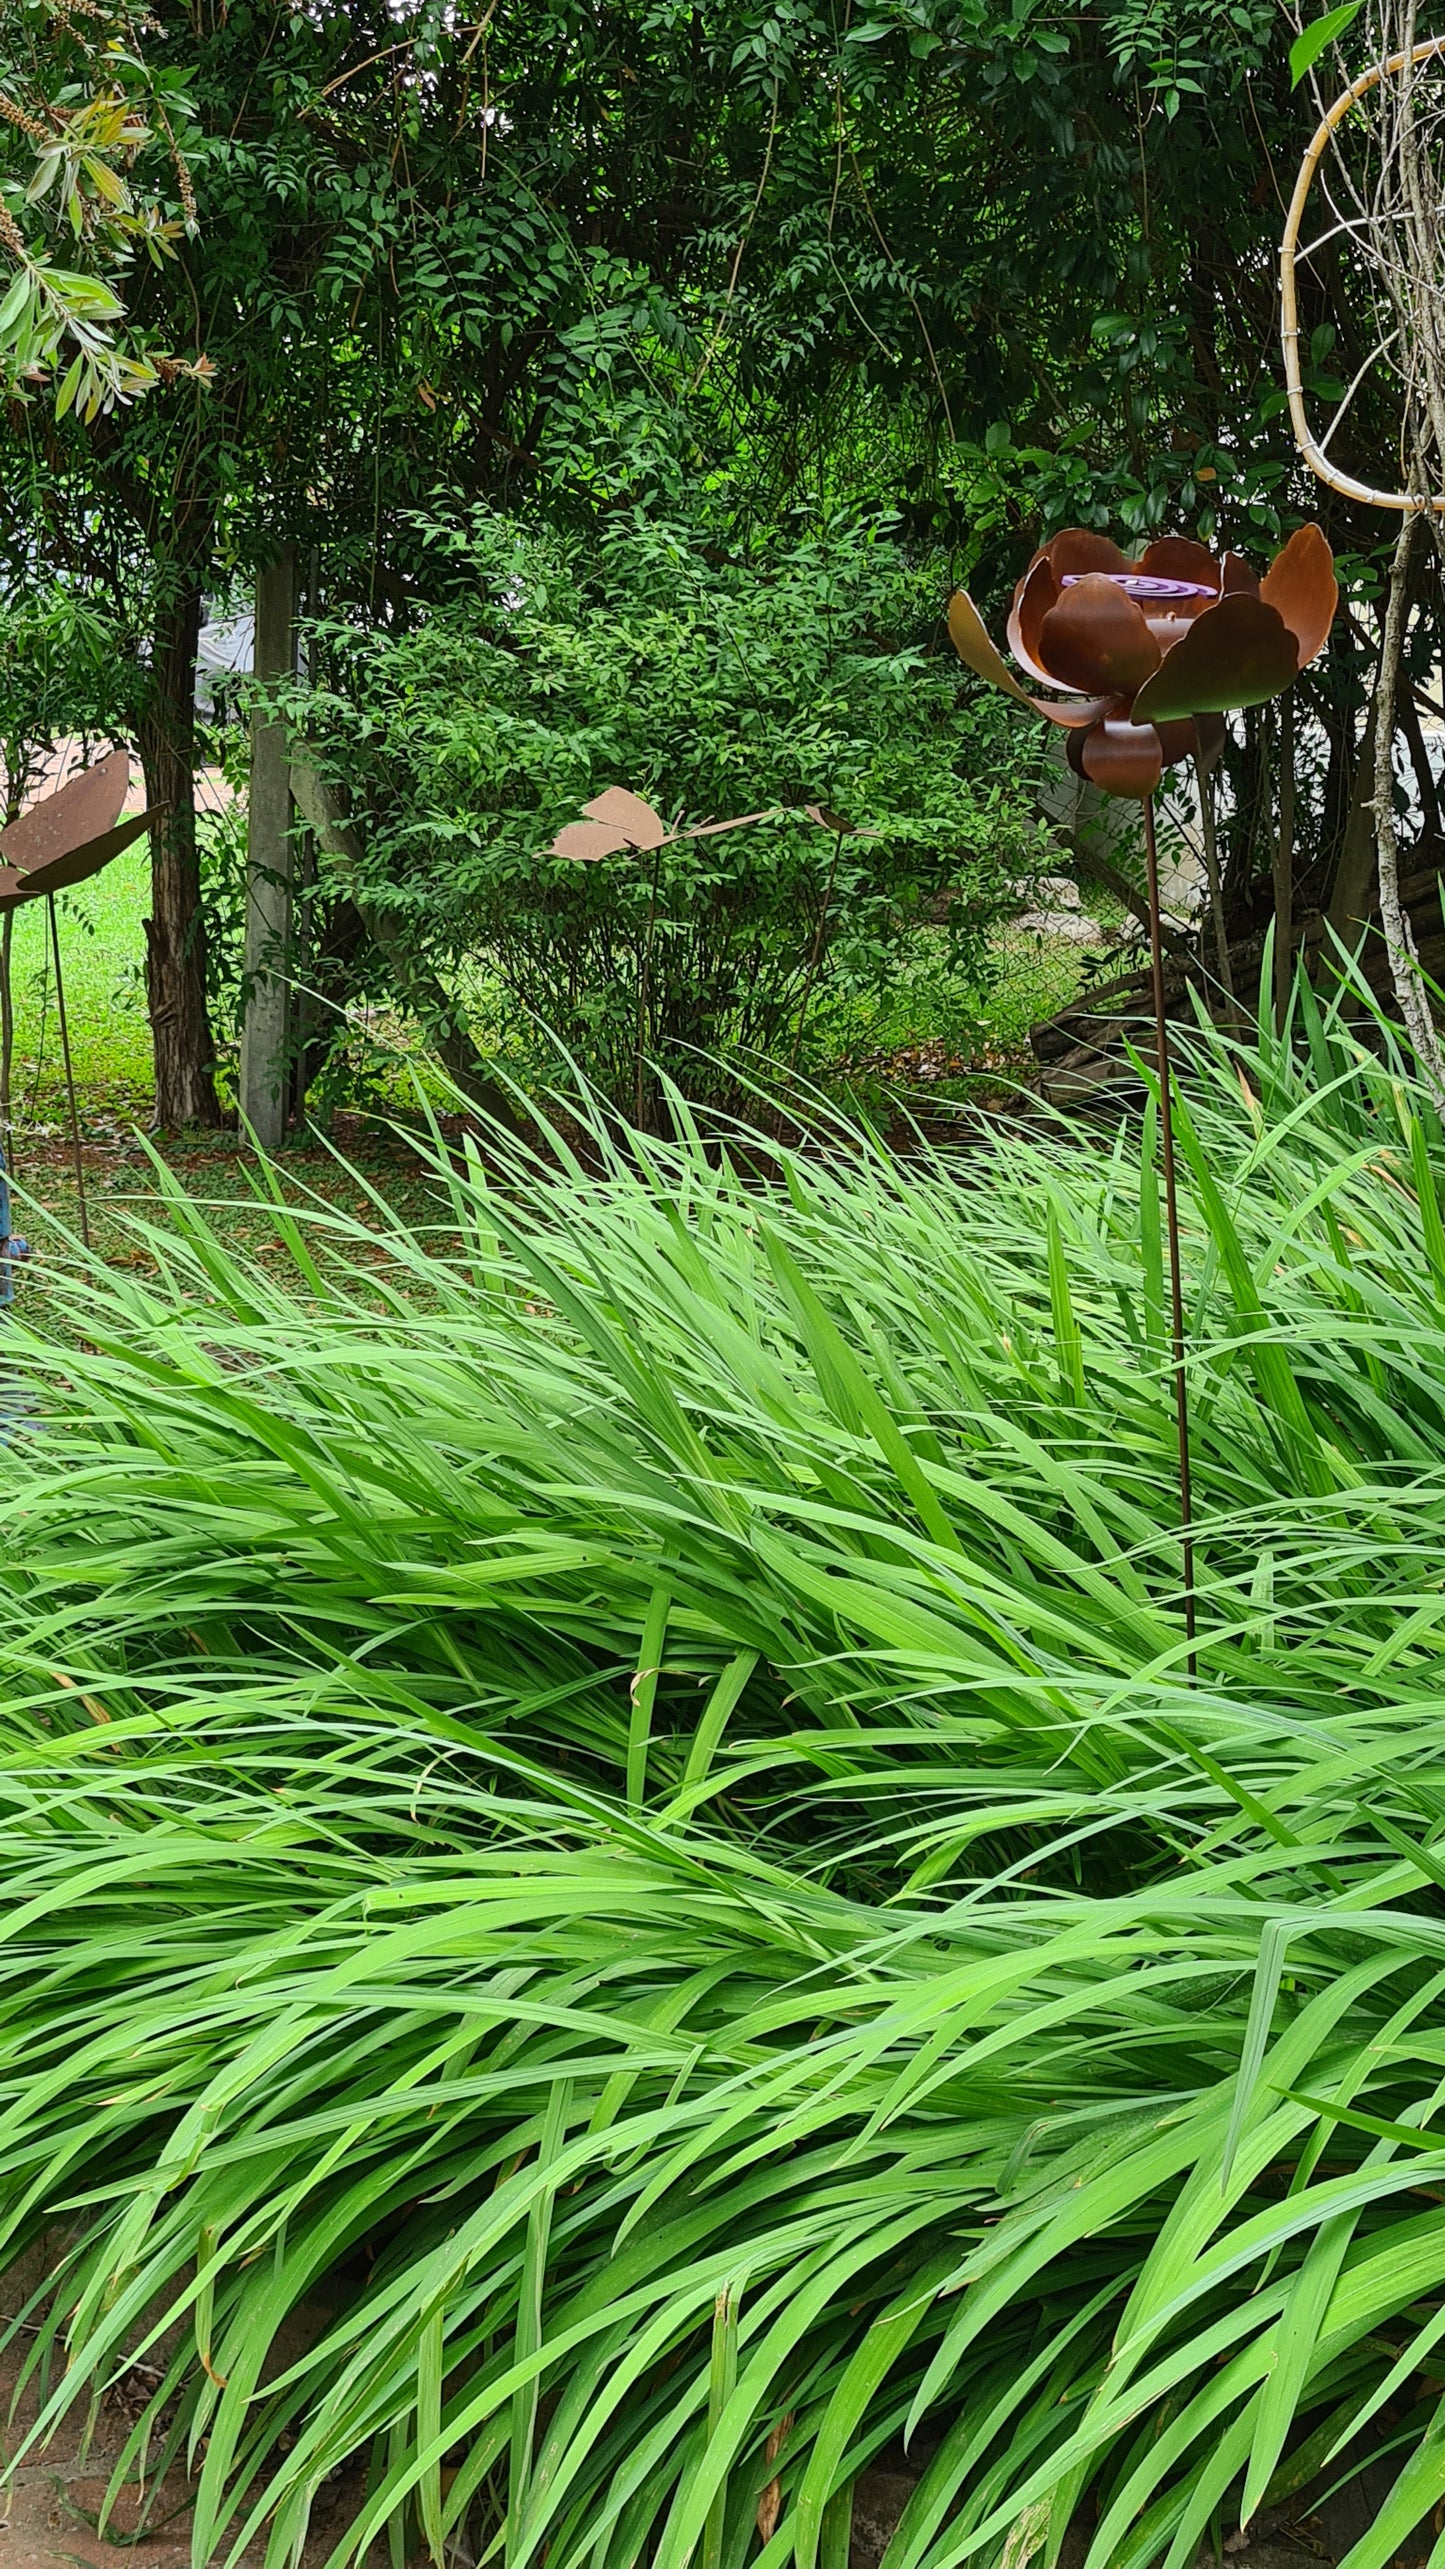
(1411, 995)
(175, 933)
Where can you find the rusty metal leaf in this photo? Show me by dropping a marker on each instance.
(715, 829)
(1239, 652)
(586, 841)
(976, 649)
(617, 809)
(1300, 585)
(72, 865)
(85, 809)
(1097, 638)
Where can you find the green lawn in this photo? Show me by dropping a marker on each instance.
(102, 945)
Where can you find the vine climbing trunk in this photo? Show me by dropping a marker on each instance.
(175, 931)
(1408, 981)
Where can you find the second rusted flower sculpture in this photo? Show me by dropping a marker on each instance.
(1154, 653)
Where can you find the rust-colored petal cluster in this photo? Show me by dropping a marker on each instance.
(1155, 650)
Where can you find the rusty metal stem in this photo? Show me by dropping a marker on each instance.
(816, 956)
(69, 1073)
(1171, 1215)
(644, 986)
(7, 1040)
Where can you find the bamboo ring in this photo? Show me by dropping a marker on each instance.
(1314, 454)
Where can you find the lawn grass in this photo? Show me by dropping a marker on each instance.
(102, 950)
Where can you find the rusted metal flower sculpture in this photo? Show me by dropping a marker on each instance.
(1154, 651)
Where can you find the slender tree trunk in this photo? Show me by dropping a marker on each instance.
(1352, 892)
(175, 932)
(1209, 840)
(1284, 866)
(1410, 993)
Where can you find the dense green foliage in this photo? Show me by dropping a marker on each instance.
(717, 682)
(994, 269)
(626, 1814)
(63, 670)
(85, 124)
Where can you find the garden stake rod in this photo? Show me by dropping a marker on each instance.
(842, 829)
(59, 841)
(69, 1073)
(1153, 654)
(1171, 1219)
(7, 1034)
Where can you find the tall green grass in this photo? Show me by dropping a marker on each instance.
(607, 1805)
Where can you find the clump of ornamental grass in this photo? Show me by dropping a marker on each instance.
(612, 1802)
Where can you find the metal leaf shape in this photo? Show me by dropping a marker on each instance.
(715, 829)
(1300, 585)
(586, 841)
(85, 809)
(640, 825)
(971, 640)
(71, 865)
(1239, 652)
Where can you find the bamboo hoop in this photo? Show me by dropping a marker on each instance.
(1313, 454)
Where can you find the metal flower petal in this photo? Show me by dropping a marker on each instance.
(1096, 639)
(977, 649)
(1122, 757)
(1300, 585)
(1036, 593)
(1239, 652)
(1078, 549)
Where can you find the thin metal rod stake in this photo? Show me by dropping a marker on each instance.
(7, 1039)
(644, 986)
(69, 1073)
(1171, 1213)
(816, 956)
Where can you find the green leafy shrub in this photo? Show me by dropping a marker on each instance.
(611, 1800)
(64, 671)
(716, 683)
